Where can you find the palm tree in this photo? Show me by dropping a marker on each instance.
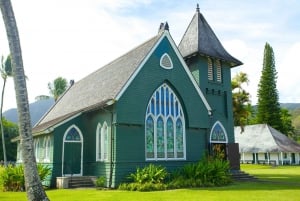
(6, 71)
(56, 89)
(240, 100)
(34, 187)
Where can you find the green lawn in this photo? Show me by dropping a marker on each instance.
(283, 184)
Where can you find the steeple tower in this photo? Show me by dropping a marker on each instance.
(199, 38)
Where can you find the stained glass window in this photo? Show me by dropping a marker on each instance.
(164, 126)
(160, 138)
(170, 138)
(150, 137)
(73, 135)
(218, 133)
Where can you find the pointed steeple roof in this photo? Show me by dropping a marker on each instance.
(199, 38)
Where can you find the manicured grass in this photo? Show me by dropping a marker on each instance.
(283, 184)
(289, 174)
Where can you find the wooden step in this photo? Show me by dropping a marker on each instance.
(82, 182)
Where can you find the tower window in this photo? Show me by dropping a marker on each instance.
(210, 69)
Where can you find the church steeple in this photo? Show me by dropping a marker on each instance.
(198, 9)
(199, 38)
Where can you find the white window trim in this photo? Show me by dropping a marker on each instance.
(226, 138)
(36, 149)
(19, 154)
(98, 137)
(162, 64)
(101, 132)
(47, 148)
(63, 149)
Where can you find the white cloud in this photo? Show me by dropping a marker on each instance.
(72, 38)
(288, 76)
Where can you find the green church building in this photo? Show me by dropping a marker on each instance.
(159, 103)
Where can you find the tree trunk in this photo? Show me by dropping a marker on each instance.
(33, 185)
(1, 124)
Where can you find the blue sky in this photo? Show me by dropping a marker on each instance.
(73, 38)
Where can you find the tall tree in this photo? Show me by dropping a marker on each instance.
(268, 107)
(287, 126)
(240, 100)
(34, 187)
(6, 71)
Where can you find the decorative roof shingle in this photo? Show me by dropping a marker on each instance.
(199, 38)
(98, 87)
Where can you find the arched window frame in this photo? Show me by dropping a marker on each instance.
(102, 142)
(47, 149)
(218, 123)
(72, 141)
(164, 106)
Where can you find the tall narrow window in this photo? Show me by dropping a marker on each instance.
(164, 126)
(19, 154)
(210, 69)
(219, 71)
(47, 146)
(102, 142)
(37, 149)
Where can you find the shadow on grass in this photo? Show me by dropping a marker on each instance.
(260, 184)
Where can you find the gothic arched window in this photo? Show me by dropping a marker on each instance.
(164, 126)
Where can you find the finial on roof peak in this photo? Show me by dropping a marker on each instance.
(198, 9)
(163, 27)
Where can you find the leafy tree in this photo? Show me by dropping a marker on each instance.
(6, 71)
(34, 187)
(56, 89)
(10, 131)
(240, 100)
(268, 107)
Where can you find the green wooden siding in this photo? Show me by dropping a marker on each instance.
(126, 118)
(131, 107)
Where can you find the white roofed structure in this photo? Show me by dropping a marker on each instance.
(261, 143)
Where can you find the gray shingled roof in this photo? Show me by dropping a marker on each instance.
(97, 88)
(262, 138)
(199, 38)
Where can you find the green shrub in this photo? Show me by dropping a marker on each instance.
(207, 172)
(101, 182)
(154, 174)
(12, 177)
(149, 178)
(210, 171)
